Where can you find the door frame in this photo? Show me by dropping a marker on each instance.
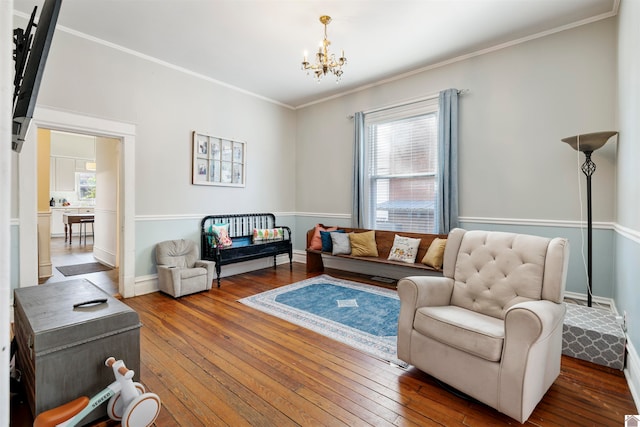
(49, 118)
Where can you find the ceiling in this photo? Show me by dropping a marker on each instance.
(257, 45)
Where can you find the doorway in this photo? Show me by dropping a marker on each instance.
(83, 186)
(27, 176)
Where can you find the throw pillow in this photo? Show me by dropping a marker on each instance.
(222, 233)
(363, 244)
(435, 253)
(316, 240)
(341, 243)
(267, 234)
(405, 249)
(327, 244)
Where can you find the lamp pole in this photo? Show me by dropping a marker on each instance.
(588, 168)
(588, 143)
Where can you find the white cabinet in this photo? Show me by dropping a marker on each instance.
(57, 226)
(64, 174)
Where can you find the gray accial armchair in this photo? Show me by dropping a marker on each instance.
(491, 327)
(180, 269)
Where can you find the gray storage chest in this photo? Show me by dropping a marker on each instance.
(62, 348)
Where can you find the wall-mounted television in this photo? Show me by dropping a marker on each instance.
(30, 56)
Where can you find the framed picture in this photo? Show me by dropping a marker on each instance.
(218, 161)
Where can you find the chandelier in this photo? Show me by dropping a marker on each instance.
(325, 62)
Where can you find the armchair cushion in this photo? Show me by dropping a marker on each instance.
(466, 330)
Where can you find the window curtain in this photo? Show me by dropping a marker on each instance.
(447, 209)
(358, 172)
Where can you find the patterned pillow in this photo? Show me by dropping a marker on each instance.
(260, 234)
(327, 243)
(405, 249)
(435, 253)
(222, 233)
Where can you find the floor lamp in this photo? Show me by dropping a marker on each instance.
(588, 143)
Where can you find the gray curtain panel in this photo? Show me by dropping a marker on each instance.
(358, 172)
(447, 209)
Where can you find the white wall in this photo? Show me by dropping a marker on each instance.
(105, 228)
(515, 173)
(627, 250)
(166, 105)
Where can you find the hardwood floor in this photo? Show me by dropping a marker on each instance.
(68, 254)
(214, 361)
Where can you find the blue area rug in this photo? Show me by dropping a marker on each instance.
(362, 316)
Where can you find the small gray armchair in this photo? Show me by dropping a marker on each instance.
(491, 326)
(180, 269)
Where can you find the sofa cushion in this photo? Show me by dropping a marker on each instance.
(363, 244)
(222, 232)
(260, 234)
(327, 243)
(341, 243)
(316, 239)
(435, 254)
(466, 330)
(404, 249)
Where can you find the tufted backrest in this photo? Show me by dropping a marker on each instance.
(492, 271)
(177, 253)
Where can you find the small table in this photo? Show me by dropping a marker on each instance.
(70, 218)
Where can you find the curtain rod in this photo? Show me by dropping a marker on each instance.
(413, 101)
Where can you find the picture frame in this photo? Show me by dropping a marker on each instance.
(218, 161)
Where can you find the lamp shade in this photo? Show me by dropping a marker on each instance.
(589, 141)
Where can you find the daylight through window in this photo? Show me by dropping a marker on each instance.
(402, 161)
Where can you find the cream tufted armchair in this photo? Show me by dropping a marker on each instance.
(180, 269)
(491, 327)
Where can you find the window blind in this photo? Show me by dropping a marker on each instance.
(402, 159)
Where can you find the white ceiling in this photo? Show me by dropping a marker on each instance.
(257, 45)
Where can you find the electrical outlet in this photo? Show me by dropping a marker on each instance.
(622, 321)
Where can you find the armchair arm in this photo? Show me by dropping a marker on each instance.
(531, 357)
(169, 279)
(210, 266)
(415, 292)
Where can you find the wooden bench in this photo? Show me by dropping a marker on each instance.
(384, 242)
(243, 248)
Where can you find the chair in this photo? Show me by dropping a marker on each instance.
(83, 226)
(491, 326)
(180, 269)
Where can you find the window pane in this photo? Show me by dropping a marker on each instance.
(403, 159)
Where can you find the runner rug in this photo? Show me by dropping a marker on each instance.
(76, 269)
(362, 316)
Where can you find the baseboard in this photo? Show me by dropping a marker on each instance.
(597, 301)
(632, 373)
(104, 257)
(149, 283)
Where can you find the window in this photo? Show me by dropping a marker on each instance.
(86, 185)
(401, 163)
